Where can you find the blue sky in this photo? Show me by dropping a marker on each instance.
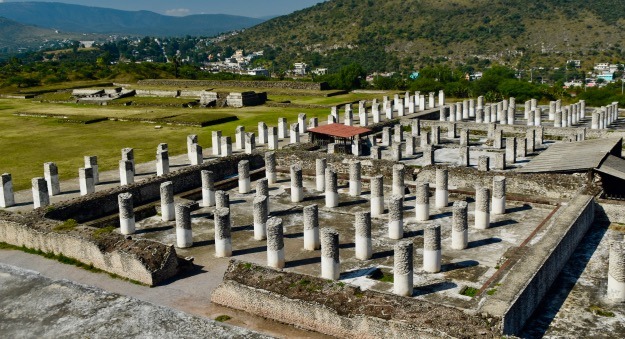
(251, 8)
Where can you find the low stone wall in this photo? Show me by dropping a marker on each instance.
(518, 296)
(157, 93)
(144, 261)
(312, 86)
(100, 204)
(340, 310)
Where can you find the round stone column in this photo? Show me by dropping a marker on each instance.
(223, 240)
(41, 198)
(126, 213)
(311, 228)
(260, 218)
(270, 167)
(403, 269)
(499, 195)
(275, 243)
(167, 201)
(320, 167)
(432, 249)
(396, 217)
(184, 233)
(245, 186)
(222, 199)
(442, 188)
(332, 194)
(330, 264)
(355, 184)
(482, 208)
(297, 185)
(364, 249)
(208, 188)
(422, 202)
(616, 272)
(262, 190)
(399, 172)
(459, 226)
(377, 196)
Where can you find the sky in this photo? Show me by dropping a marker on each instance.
(251, 8)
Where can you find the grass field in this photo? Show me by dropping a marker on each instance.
(28, 142)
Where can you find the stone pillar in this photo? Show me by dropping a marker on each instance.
(436, 135)
(441, 98)
(330, 264)
(184, 233)
(208, 188)
(415, 127)
(396, 152)
(294, 134)
(431, 100)
(451, 130)
(377, 196)
(396, 217)
(262, 190)
(497, 138)
(92, 162)
(320, 170)
(311, 228)
(222, 199)
(262, 133)
(398, 134)
(442, 113)
(511, 150)
(282, 127)
(410, 145)
(313, 123)
(595, 121)
(301, 123)
(275, 243)
(51, 174)
(557, 119)
(167, 201)
(510, 116)
(126, 213)
(459, 226)
(616, 272)
(332, 195)
(531, 140)
(483, 163)
(362, 238)
(464, 137)
(129, 155)
(196, 155)
(500, 161)
(399, 172)
(442, 188)
(388, 108)
(499, 195)
(226, 146)
(375, 111)
(191, 139)
(530, 118)
(521, 148)
(297, 186)
(582, 108)
(464, 156)
(245, 185)
(250, 142)
(356, 146)
(355, 184)
(85, 180)
(216, 143)
(538, 118)
(270, 167)
(422, 202)
(403, 269)
(432, 249)
(126, 173)
(376, 152)
(239, 137)
(459, 111)
(7, 197)
(428, 154)
(487, 114)
(471, 108)
(349, 118)
(223, 229)
(41, 197)
(260, 217)
(386, 136)
(272, 138)
(482, 208)
(479, 115)
(465, 109)
(480, 102)
(452, 113)
(162, 163)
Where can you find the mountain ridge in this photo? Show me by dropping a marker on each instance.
(86, 19)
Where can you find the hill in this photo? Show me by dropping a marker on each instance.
(83, 19)
(395, 34)
(15, 36)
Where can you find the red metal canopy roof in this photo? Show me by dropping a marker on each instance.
(340, 130)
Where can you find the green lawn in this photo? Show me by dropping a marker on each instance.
(27, 143)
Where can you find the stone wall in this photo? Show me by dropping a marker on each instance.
(101, 204)
(128, 258)
(157, 93)
(311, 86)
(340, 310)
(531, 277)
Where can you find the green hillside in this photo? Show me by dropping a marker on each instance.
(15, 36)
(395, 34)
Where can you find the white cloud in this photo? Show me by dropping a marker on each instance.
(175, 11)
